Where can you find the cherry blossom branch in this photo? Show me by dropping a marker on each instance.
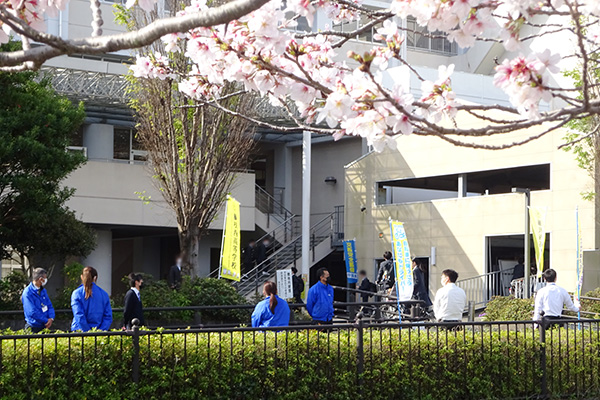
(131, 40)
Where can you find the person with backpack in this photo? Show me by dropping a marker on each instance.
(365, 285)
(385, 275)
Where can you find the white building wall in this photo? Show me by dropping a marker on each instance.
(108, 192)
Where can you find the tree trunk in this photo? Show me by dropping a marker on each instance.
(189, 244)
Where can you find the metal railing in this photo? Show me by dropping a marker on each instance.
(517, 286)
(285, 256)
(506, 360)
(285, 232)
(338, 226)
(480, 289)
(268, 205)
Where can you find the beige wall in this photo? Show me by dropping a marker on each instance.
(106, 194)
(457, 227)
(328, 159)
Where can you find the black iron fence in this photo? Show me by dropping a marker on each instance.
(359, 360)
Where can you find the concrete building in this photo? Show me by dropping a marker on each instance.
(459, 211)
(143, 237)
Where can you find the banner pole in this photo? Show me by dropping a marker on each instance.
(223, 236)
(578, 261)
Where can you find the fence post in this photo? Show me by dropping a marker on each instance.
(378, 309)
(135, 366)
(360, 355)
(471, 315)
(543, 362)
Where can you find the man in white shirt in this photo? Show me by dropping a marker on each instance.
(550, 300)
(450, 300)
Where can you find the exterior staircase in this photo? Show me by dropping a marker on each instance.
(284, 230)
(289, 255)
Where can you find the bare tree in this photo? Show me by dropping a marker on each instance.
(195, 151)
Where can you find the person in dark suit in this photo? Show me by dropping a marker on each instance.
(174, 277)
(133, 302)
(249, 256)
(519, 269)
(297, 286)
(365, 285)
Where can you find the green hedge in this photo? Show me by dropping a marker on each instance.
(508, 308)
(406, 364)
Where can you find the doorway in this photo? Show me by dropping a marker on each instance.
(504, 252)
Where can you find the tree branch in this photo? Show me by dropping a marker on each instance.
(131, 40)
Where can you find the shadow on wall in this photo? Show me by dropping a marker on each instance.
(424, 223)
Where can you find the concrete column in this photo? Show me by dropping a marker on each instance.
(99, 140)
(101, 259)
(462, 185)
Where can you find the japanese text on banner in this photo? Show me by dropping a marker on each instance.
(350, 257)
(402, 261)
(537, 218)
(230, 251)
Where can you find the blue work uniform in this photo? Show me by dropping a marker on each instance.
(93, 312)
(262, 315)
(319, 302)
(37, 307)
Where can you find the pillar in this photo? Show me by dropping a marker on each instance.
(101, 259)
(99, 141)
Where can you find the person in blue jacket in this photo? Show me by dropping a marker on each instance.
(37, 307)
(273, 310)
(90, 304)
(319, 302)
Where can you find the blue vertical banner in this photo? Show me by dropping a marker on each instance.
(402, 261)
(350, 257)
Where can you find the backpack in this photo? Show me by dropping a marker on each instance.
(373, 287)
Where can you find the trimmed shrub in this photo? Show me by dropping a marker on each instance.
(398, 364)
(193, 292)
(508, 308)
(511, 309)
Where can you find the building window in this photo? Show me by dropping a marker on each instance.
(418, 37)
(14, 263)
(477, 183)
(351, 26)
(127, 146)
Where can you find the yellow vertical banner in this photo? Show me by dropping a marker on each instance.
(537, 220)
(230, 248)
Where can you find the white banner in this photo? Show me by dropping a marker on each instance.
(285, 287)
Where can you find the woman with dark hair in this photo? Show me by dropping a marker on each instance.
(90, 304)
(420, 291)
(273, 310)
(133, 302)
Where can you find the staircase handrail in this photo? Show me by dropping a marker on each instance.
(262, 192)
(261, 267)
(270, 234)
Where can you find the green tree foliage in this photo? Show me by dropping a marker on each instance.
(11, 288)
(35, 127)
(193, 292)
(71, 280)
(583, 139)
